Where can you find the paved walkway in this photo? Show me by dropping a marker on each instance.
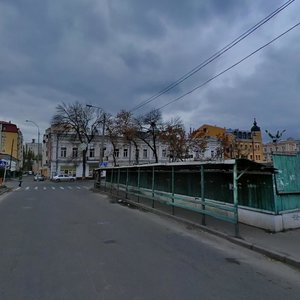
(282, 246)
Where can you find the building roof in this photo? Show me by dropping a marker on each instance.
(9, 127)
(255, 127)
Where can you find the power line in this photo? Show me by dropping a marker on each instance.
(214, 56)
(231, 67)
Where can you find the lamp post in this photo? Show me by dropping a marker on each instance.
(103, 133)
(38, 160)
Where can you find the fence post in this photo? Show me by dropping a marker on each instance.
(173, 186)
(152, 187)
(119, 171)
(139, 173)
(111, 180)
(202, 195)
(235, 199)
(127, 175)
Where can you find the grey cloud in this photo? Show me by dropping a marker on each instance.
(118, 53)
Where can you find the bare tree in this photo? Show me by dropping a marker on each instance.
(197, 143)
(128, 129)
(149, 128)
(113, 133)
(173, 135)
(80, 120)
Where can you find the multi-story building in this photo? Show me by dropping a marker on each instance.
(62, 153)
(11, 145)
(233, 143)
(36, 149)
(289, 146)
(33, 147)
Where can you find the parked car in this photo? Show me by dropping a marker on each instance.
(63, 177)
(39, 177)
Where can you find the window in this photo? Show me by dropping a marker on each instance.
(145, 153)
(75, 152)
(63, 152)
(92, 152)
(125, 153)
(164, 153)
(117, 152)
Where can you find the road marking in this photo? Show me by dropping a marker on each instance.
(53, 188)
(27, 188)
(17, 188)
(78, 187)
(45, 188)
(36, 188)
(69, 187)
(62, 188)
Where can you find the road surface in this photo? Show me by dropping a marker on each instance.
(62, 241)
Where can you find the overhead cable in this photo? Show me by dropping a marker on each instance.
(231, 67)
(214, 56)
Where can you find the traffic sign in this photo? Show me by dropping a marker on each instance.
(3, 163)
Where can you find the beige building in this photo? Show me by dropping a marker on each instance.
(290, 146)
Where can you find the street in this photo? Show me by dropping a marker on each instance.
(63, 241)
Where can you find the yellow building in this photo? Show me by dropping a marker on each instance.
(11, 144)
(235, 143)
(248, 144)
(209, 131)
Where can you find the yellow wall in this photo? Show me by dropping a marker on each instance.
(10, 144)
(210, 131)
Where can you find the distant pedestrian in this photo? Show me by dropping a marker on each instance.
(20, 180)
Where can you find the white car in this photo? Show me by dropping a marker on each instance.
(63, 177)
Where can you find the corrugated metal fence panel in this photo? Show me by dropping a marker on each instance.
(255, 190)
(287, 181)
(288, 175)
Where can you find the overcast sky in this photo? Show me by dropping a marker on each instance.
(117, 53)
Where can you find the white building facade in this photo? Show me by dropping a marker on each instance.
(62, 154)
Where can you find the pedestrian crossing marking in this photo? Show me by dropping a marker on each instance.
(45, 188)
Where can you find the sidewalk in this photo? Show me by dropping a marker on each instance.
(281, 246)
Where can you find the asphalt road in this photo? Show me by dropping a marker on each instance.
(62, 241)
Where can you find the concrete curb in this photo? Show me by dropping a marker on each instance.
(243, 243)
(4, 190)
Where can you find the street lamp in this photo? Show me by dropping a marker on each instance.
(103, 133)
(38, 160)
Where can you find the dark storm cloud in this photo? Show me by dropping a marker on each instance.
(118, 53)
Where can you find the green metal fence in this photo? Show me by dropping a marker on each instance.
(287, 182)
(213, 189)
